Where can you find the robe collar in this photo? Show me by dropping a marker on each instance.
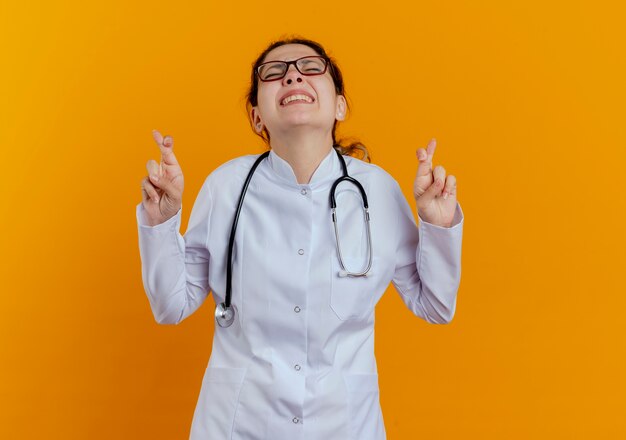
(329, 169)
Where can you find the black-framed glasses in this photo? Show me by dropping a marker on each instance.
(275, 70)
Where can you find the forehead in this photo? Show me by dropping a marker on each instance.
(288, 52)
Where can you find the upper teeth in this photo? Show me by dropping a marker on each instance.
(288, 99)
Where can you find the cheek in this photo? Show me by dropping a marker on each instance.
(266, 97)
(329, 102)
(327, 95)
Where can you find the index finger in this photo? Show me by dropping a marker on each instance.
(166, 146)
(430, 150)
(426, 164)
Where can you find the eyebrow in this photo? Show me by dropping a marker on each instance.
(297, 58)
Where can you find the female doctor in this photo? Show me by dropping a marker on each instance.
(293, 347)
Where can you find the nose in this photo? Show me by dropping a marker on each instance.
(292, 75)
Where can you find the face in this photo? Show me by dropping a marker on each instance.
(278, 117)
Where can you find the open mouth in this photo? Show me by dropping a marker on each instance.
(295, 99)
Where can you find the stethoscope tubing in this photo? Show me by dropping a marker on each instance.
(224, 313)
(231, 241)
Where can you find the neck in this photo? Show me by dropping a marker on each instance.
(303, 151)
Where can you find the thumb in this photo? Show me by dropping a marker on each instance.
(431, 192)
(165, 185)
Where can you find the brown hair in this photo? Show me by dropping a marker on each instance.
(349, 146)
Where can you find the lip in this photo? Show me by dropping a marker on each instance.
(296, 92)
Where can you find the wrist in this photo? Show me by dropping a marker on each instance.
(425, 219)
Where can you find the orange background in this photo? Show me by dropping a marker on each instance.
(526, 101)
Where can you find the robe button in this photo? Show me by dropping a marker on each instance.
(296, 420)
(296, 309)
(297, 367)
(303, 191)
(301, 251)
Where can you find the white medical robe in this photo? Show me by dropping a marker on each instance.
(298, 361)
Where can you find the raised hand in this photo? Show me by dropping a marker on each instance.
(162, 188)
(435, 201)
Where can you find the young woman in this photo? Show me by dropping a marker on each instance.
(297, 256)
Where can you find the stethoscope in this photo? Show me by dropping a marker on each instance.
(225, 312)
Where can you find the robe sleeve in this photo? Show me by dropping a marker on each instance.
(428, 262)
(175, 269)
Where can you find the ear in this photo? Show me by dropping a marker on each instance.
(340, 114)
(255, 119)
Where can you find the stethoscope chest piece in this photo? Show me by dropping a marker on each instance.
(224, 316)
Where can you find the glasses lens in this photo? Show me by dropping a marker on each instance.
(312, 65)
(272, 70)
